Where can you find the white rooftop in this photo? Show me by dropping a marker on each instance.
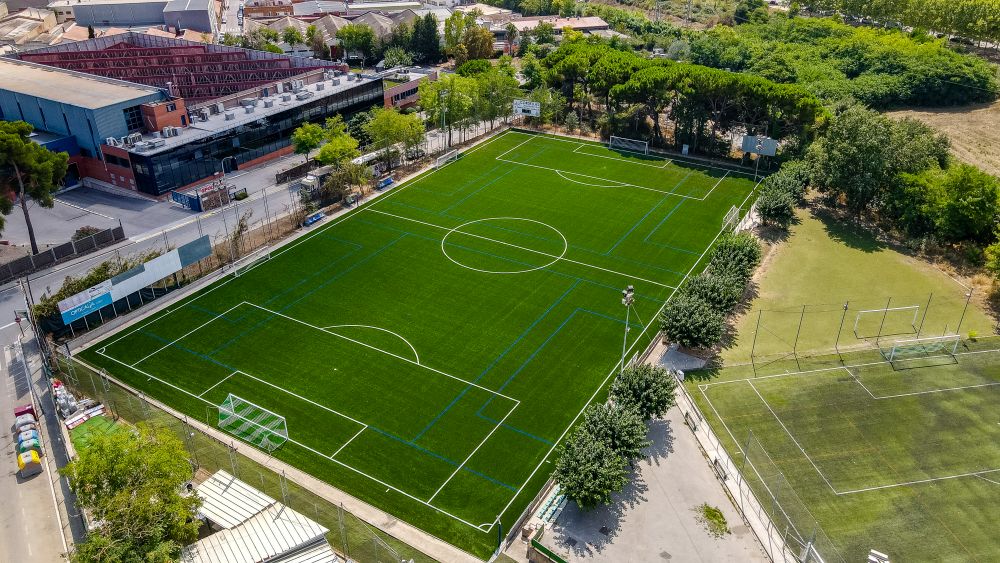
(256, 528)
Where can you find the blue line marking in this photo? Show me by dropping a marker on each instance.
(640, 221)
(657, 227)
(514, 429)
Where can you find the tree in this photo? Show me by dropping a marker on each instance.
(231, 40)
(478, 43)
(735, 255)
(397, 56)
(132, 483)
(292, 37)
(307, 137)
(426, 42)
(388, 128)
(90, 32)
(337, 150)
(451, 97)
(971, 204)
(775, 205)
(510, 35)
(356, 126)
(357, 38)
(588, 470)
(544, 32)
(29, 171)
(692, 323)
(495, 93)
(473, 67)
(721, 292)
(647, 389)
(454, 30)
(460, 54)
(621, 427)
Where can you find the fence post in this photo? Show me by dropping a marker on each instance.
(836, 343)
(924, 317)
(753, 347)
(882, 324)
(233, 461)
(798, 331)
(343, 531)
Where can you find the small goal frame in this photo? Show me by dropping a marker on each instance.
(885, 311)
(923, 346)
(252, 423)
(628, 145)
(447, 157)
(732, 219)
(250, 261)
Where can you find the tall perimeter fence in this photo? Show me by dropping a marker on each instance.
(351, 537)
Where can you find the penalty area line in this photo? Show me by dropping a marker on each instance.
(344, 445)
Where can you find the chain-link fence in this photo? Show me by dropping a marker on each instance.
(349, 535)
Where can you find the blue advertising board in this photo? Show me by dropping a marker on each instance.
(86, 308)
(191, 202)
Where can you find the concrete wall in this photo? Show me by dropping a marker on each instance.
(90, 127)
(120, 15)
(197, 20)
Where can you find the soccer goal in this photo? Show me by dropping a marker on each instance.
(248, 262)
(922, 347)
(252, 423)
(731, 219)
(630, 145)
(875, 323)
(446, 158)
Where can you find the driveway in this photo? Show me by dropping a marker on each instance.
(655, 517)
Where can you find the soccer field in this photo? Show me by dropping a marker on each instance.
(428, 350)
(899, 457)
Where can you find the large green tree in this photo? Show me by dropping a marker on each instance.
(619, 426)
(588, 470)
(692, 323)
(647, 389)
(307, 138)
(449, 99)
(425, 41)
(357, 39)
(29, 171)
(131, 482)
(339, 146)
(389, 128)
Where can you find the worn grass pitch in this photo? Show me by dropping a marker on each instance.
(430, 349)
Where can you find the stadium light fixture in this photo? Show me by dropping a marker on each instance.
(628, 297)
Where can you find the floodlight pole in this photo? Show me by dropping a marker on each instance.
(760, 148)
(444, 114)
(628, 297)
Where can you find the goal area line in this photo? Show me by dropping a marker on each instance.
(363, 426)
(703, 388)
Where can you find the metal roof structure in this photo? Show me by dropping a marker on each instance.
(255, 528)
(72, 88)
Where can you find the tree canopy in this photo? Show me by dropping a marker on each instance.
(649, 390)
(29, 171)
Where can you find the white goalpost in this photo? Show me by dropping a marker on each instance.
(922, 347)
(626, 144)
(446, 158)
(252, 423)
(888, 316)
(732, 219)
(248, 262)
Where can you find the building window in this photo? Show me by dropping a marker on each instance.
(171, 107)
(133, 118)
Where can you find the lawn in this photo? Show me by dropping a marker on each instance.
(429, 350)
(899, 457)
(826, 264)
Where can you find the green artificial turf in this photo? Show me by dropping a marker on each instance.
(900, 457)
(430, 349)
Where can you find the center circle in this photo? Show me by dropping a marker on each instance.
(458, 229)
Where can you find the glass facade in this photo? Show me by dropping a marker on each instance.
(198, 160)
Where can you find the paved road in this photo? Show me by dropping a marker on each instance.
(29, 523)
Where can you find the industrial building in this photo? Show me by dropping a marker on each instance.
(154, 114)
(196, 15)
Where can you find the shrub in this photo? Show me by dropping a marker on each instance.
(736, 255)
(776, 204)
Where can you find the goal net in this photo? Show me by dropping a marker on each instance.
(630, 145)
(248, 262)
(732, 219)
(445, 158)
(252, 423)
(922, 347)
(890, 321)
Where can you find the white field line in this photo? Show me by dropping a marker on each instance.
(301, 398)
(835, 368)
(724, 176)
(794, 441)
(612, 372)
(185, 335)
(473, 452)
(568, 179)
(664, 165)
(300, 444)
(678, 162)
(989, 480)
(386, 352)
(184, 302)
(396, 334)
(525, 249)
(921, 481)
(344, 445)
(623, 184)
(220, 382)
(517, 146)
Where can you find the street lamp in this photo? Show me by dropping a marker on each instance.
(760, 149)
(628, 297)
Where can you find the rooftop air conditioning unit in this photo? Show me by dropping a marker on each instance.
(286, 97)
(335, 82)
(269, 103)
(135, 137)
(111, 142)
(303, 95)
(230, 116)
(156, 143)
(279, 87)
(248, 109)
(350, 77)
(142, 146)
(320, 86)
(219, 107)
(248, 102)
(167, 131)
